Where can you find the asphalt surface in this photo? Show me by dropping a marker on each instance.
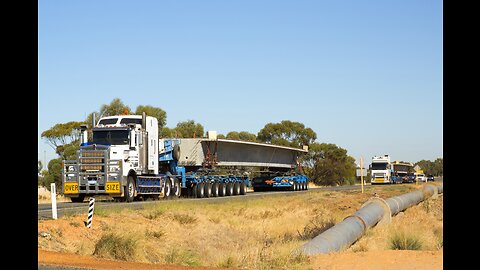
(59, 267)
(45, 209)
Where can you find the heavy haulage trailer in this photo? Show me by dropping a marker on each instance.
(271, 182)
(126, 160)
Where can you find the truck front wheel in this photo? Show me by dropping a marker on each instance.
(130, 189)
(78, 199)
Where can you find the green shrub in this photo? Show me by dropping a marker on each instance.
(153, 214)
(403, 241)
(116, 246)
(155, 234)
(182, 257)
(184, 219)
(228, 262)
(318, 224)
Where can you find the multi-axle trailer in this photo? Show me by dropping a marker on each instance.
(126, 160)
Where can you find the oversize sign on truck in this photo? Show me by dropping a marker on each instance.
(113, 187)
(70, 188)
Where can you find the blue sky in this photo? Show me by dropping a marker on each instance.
(364, 75)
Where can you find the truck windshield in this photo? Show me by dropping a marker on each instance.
(113, 137)
(379, 166)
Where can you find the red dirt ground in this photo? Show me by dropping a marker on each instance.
(371, 260)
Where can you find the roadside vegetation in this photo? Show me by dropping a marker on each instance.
(258, 232)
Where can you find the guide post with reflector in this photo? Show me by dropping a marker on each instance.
(91, 205)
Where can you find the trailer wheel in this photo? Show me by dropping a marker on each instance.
(177, 188)
(208, 190)
(236, 188)
(215, 189)
(200, 190)
(130, 189)
(243, 188)
(192, 191)
(229, 189)
(222, 189)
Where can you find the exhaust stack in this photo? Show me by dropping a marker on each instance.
(93, 120)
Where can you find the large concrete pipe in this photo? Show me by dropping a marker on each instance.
(374, 211)
(402, 202)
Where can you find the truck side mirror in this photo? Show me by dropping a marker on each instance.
(132, 139)
(132, 135)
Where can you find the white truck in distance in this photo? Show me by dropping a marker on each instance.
(381, 170)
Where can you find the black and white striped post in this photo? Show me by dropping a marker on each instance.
(91, 205)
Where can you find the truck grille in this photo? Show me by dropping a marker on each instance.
(92, 161)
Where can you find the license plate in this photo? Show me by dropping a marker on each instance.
(113, 187)
(70, 188)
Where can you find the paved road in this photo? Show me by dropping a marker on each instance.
(45, 209)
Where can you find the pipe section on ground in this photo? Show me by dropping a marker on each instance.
(374, 211)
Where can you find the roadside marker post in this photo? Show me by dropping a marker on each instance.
(91, 205)
(54, 200)
(361, 172)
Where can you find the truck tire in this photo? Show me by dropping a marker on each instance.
(162, 192)
(130, 189)
(257, 189)
(236, 188)
(192, 192)
(200, 190)
(243, 188)
(215, 189)
(222, 189)
(78, 199)
(208, 190)
(229, 189)
(167, 189)
(177, 188)
(176, 152)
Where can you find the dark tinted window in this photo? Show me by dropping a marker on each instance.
(110, 121)
(131, 121)
(379, 166)
(114, 137)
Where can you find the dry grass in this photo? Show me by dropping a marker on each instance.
(254, 232)
(44, 196)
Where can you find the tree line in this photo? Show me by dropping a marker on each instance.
(434, 168)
